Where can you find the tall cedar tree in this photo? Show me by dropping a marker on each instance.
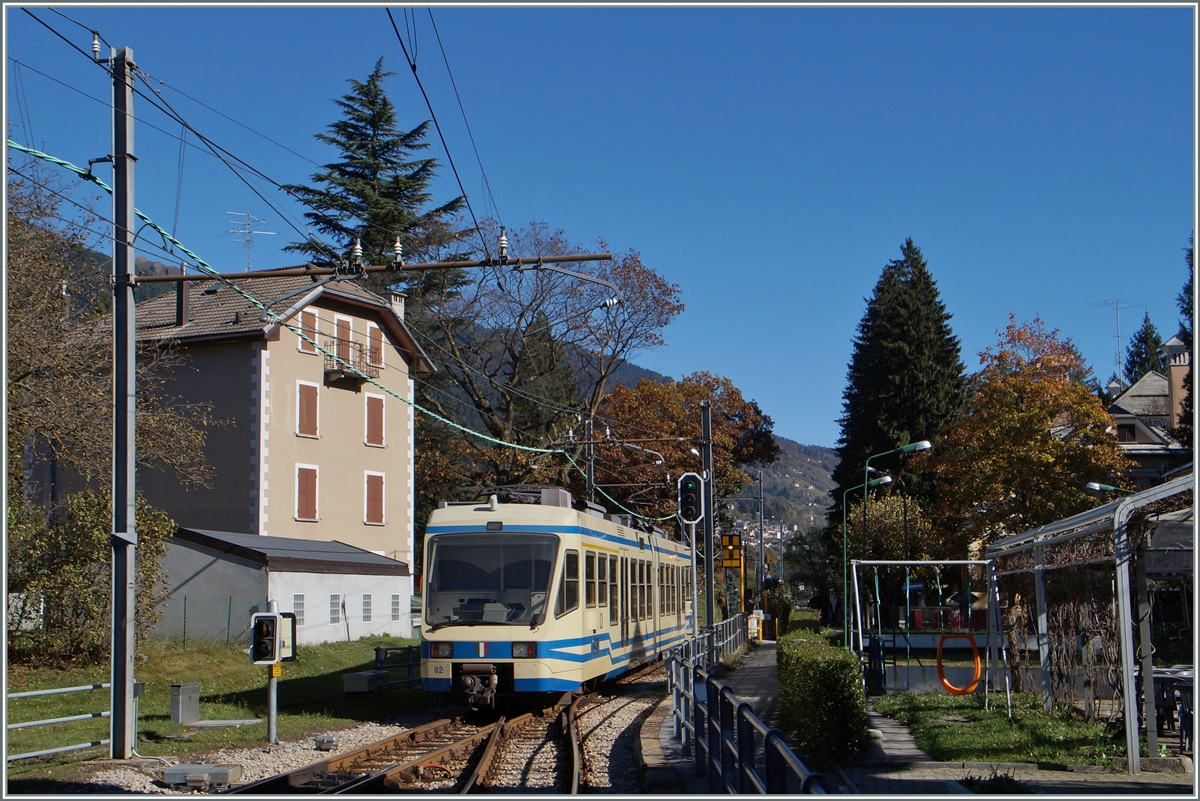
(1143, 355)
(1184, 433)
(905, 381)
(377, 190)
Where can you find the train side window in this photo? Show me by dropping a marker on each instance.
(612, 589)
(568, 588)
(589, 576)
(642, 589)
(602, 580)
(662, 595)
(639, 593)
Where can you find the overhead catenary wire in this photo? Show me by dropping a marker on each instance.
(296, 329)
(486, 185)
(466, 199)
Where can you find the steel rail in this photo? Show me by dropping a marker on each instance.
(572, 724)
(397, 777)
(290, 781)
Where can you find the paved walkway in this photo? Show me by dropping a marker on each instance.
(894, 765)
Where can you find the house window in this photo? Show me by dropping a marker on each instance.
(375, 420)
(374, 499)
(1126, 433)
(366, 608)
(306, 492)
(374, 345)
(308, 325)
(343, 339)
(298, 608)
(395, 608)
(306, 409)
(335, 608)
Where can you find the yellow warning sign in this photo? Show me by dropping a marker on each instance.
(276, 670)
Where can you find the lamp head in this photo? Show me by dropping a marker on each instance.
(880, 480)
(923, 445)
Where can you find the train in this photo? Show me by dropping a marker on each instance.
(525, 591)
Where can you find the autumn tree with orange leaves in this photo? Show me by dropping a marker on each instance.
(1030, 440)
(632, 476)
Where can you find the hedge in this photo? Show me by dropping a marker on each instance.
(821, 699)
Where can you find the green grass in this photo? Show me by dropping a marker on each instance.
(958, 729)
(310, 698)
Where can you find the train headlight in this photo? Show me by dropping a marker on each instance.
(441, 650)
(524, 650)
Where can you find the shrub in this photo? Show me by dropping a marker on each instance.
(60, 582)
(822, 701)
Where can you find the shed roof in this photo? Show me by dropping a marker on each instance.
(1101, 519)
(295, 555)
(217, 311)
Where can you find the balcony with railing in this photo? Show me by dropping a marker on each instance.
(344, 354)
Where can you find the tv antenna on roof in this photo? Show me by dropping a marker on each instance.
(246, 228)
(1117, 306)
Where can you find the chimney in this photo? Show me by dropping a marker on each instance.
(1178, 360)
(182, 310)
(397, 299)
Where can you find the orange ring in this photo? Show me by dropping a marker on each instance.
(950, 688)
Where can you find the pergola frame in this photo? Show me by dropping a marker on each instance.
(997, 654)
(1113, 516)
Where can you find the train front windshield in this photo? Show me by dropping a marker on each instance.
(488, 579)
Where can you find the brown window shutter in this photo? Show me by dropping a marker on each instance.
(343, 336)
(306, 490)
(374, 499)
(308, 410)
(308, 324)
(375, 347)
(374, 421)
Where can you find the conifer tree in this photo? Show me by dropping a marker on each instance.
(1143, 355)
(378, 188)
(1184, 431)
(905, 380)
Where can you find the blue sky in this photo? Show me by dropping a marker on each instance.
(770, 161)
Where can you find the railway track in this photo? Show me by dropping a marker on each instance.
(536, 752)
(434, 757)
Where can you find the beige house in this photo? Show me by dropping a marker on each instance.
(1145, 414)
(311, 450)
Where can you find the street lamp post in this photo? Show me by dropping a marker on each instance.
(923, 445)
(1094, 486)
(845, 562)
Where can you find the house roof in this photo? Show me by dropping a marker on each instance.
(1149, 397)
(217, 311)
(295, 555)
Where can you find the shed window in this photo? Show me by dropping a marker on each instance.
(335, 607)
(298, 608)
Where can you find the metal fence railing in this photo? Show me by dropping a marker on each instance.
(728, 742)
(411, 664)
(49, 721)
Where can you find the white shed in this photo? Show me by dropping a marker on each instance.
(217, 579)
